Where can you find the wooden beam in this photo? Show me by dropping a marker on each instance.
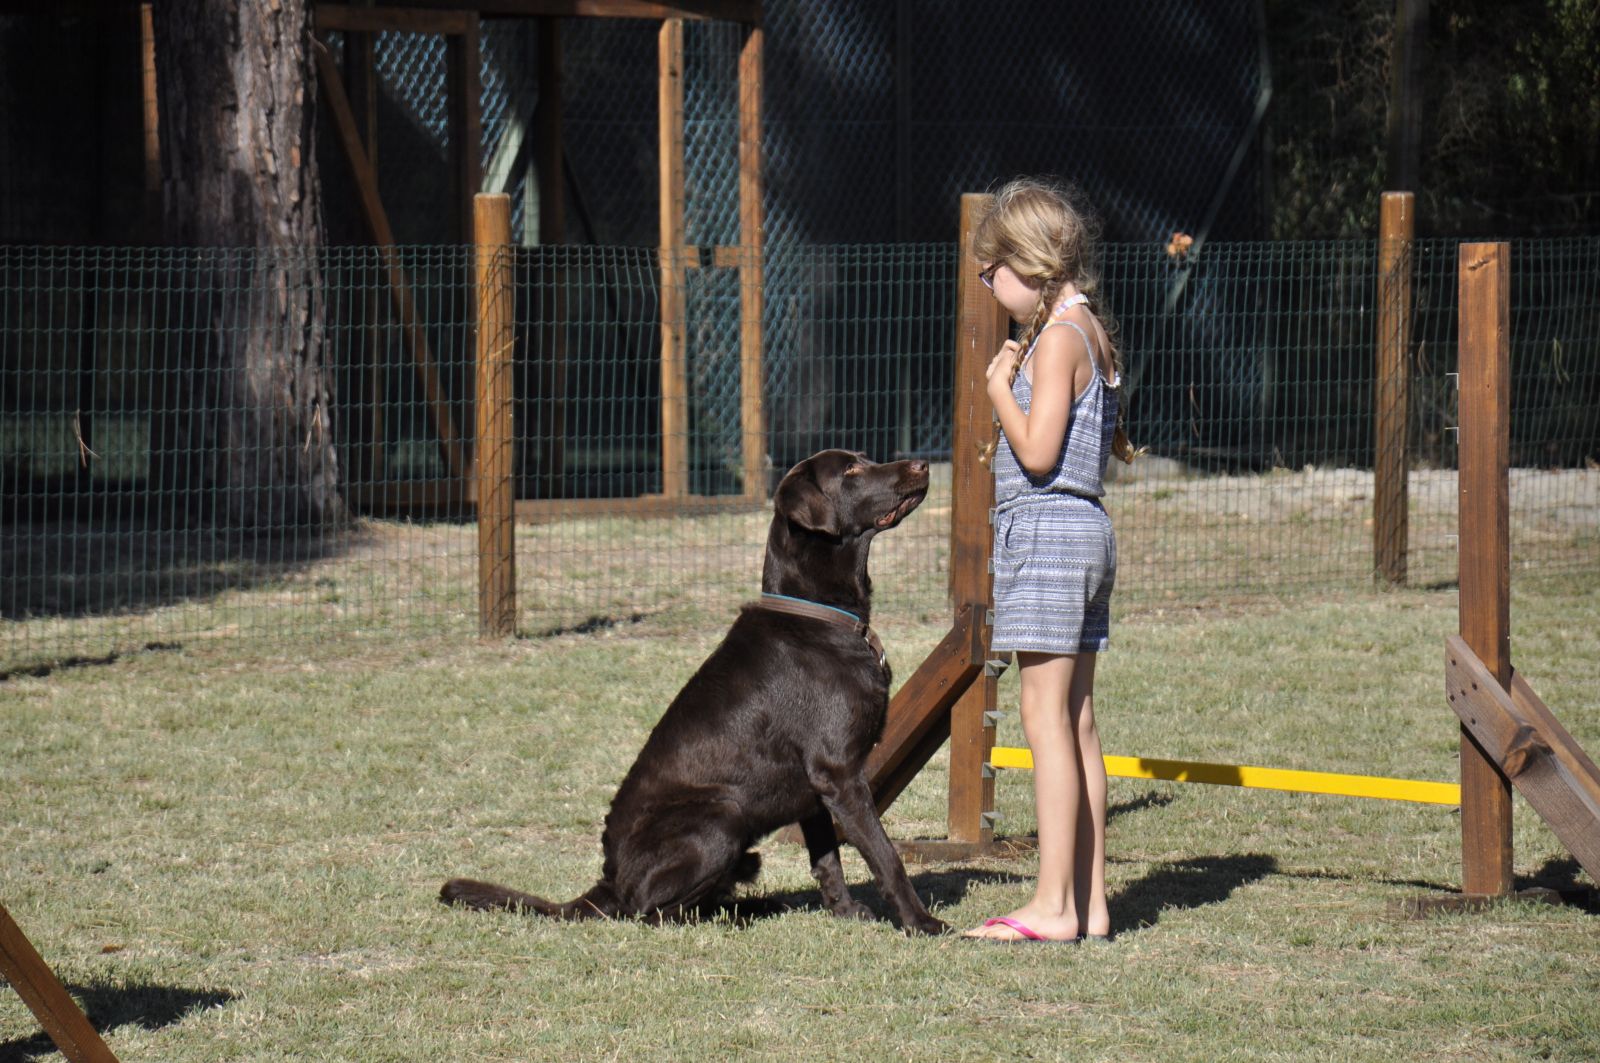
(752, 282)
(496, 440)
(981, 327)
(1390, 497)
(45, 996)
(152, 221)
(399, 286)
(674, 365)
(1484, 550)
(1547, 768)
(919, 714)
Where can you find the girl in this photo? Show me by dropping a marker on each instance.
(1055, 394)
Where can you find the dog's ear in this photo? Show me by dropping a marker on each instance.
(800, 499)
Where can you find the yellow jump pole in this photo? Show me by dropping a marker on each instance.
(1302, 782)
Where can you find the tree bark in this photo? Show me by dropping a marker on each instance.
(246, 435)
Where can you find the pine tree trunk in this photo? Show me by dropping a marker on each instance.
(247, 435)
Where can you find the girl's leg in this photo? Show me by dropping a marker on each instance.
(1089, 867)
(1047, 680)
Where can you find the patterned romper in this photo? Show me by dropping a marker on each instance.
(1055, 556)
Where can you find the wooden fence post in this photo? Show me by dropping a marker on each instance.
(980, 330)
(496, 498)
(1485, 545)
(1390, 499)
(752, 410)
(674, 364)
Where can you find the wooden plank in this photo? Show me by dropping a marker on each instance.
(45, 996)
(497, 555)
(152, 221)
(919, 712)
(752, 275)
(1567, 799)
(674, 369)
(981, 327)
(1533, 707)
(1484, 551)
(377, 219)
(1390, 500)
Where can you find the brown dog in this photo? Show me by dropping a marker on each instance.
(774, 728)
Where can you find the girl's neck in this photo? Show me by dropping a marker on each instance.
(1064, 298)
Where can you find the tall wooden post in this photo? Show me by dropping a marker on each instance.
(752, 412)
(674, 369)
(1390, 499)
(1485, 545)
(497, 574)
(981, 328)
(151, 223)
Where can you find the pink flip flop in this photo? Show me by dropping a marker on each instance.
(1027, 934)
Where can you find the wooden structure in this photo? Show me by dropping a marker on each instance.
(354, 113)
(952, 694)
(45, 996)
(1390, 496)
(1508, 737)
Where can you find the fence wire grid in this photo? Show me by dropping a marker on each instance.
(130, 451)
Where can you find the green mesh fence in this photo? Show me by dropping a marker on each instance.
(170, 471)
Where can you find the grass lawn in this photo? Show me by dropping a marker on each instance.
(230, 851)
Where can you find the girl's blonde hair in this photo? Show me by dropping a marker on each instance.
(1037, 229)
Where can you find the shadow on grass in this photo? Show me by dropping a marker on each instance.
(1192, 883)
(109, 1006)
(943, 888)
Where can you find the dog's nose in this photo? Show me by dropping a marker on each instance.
(918, 466)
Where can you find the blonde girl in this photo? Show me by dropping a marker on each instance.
(1056, 395)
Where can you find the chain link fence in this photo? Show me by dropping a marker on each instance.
(1250, 373)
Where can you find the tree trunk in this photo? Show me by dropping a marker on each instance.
(246, 433)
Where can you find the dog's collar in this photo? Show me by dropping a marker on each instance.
(783, 603)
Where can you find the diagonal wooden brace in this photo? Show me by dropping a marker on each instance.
(39, 988)
(1547, 767)
(919, 714)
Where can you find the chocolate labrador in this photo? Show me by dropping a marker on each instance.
(774, 728)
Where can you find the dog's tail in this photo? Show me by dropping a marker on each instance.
(599, 903)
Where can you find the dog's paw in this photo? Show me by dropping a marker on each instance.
(853, 909)
(927, 924)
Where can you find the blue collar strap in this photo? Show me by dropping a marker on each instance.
(814, 605)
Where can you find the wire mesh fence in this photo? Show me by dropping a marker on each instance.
(149, 395)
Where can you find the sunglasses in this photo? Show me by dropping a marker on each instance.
(987, 276)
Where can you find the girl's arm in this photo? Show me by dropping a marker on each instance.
(1060, 372)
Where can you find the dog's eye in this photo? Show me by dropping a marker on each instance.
(855, 470)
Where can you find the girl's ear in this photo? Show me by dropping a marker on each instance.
(800, 499)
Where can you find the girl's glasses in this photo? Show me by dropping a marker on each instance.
(987, 276)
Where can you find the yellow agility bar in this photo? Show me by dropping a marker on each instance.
(1303, 782)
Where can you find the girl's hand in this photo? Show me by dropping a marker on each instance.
(998, 374)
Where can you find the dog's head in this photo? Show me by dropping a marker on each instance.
(842, 493)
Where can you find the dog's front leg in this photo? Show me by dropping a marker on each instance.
(822, 842)
(850, 801)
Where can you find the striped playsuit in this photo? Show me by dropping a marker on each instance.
(1055, 555)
